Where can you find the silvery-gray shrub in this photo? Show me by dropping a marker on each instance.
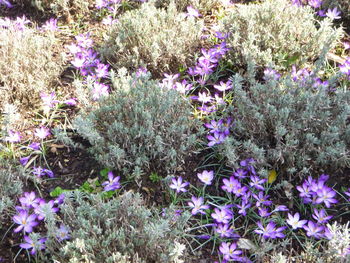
(276, 33)
(121, 228)
(160, 39)
(140, 128)
(292, 127)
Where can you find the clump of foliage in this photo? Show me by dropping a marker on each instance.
(201, 5)
(66, 8)
(276, 33)
(290, 125)
(159, 39)
(28, 66)
(118, 230)
(140, 127)
(10, 187)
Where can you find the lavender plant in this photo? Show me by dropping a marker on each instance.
(29, 64)
(276, 33)
(159, 39)
(140, 128)
(121, 228)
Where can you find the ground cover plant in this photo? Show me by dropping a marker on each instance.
(156, 134)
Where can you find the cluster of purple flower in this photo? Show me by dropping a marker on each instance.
(31, 211)
(218, 131)
(317, 4)
(112, 184)
(49, 100)
(89, 66)
(18, 24)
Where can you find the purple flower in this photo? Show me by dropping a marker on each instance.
(63, 233)
(42, 132)
(70, 102)
(7, 3)
(315, 3)
(222, 215)
(197, 205)
(78, 61)
(29, 200)
(217, 138)
(39, 172)
(35, 245)
(240, 173)
(325, 195)
(99, 90)
(280, 208)
(313, 230)
(183, 86)
(24, 160)
(207, 56)
(224, 230)
(229, 251)
(203, 97)
(262, 199)
(248, 164)
(230, 184)
(221, 35)
(294, 221)
(191, 12)
(42, 209)
(214, 126)
(112, 184)
(270, 231)
(13, 137)
(345, 68)
(25, 221)
(178, 185)
(84, 40)
(34, 145)
(50, 25)
(321, 216)
(257, 182)
(99, 4)
(101, 70)
(263, 212)
(224, 86)
(49, 100)
(21, 22)
(243, 207)
(271, 74)
(333, 13)
(240, 190)
(108, 20)
(206, 177)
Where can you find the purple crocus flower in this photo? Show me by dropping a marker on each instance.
(243, 207)
(224, 86)
(263, 212)
(112, 184)
(230, 184)
(49, 100)
(197, 205)
(321, 216)
(50, 25)
(262, 199)
(34, 146)
(222, 215)
(229, 251)
(240, 173)
(191, 12)
(101, 70)
(42, 132)
(29, 200)
(33, 244)
(280, 208)
(248, 165)
(183, 86)
(214, 126)
(271, 74)
(13, 137)
(315, 3)
(224, 230)
(70, 102)
(270, 231)
(240, 190)
(333, 13)
(79, 60)
(42, 209)
(295, 222)
(84, 40)
(24, 160)
(99, 90)
(25, 221)
(63, 233)
(313, 230)
(256, 182)
(216, 138)
(206, 177)
(208, 56)
(326, 195)
(178, 185)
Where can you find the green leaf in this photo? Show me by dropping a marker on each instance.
(104, 173)
(57, 191)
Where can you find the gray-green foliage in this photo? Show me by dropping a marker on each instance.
(28, 65)
(290, 126)
(121, 229)
(140, 127)
(202, 6)
(276, 33)
(10, 187)
(160, 39)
